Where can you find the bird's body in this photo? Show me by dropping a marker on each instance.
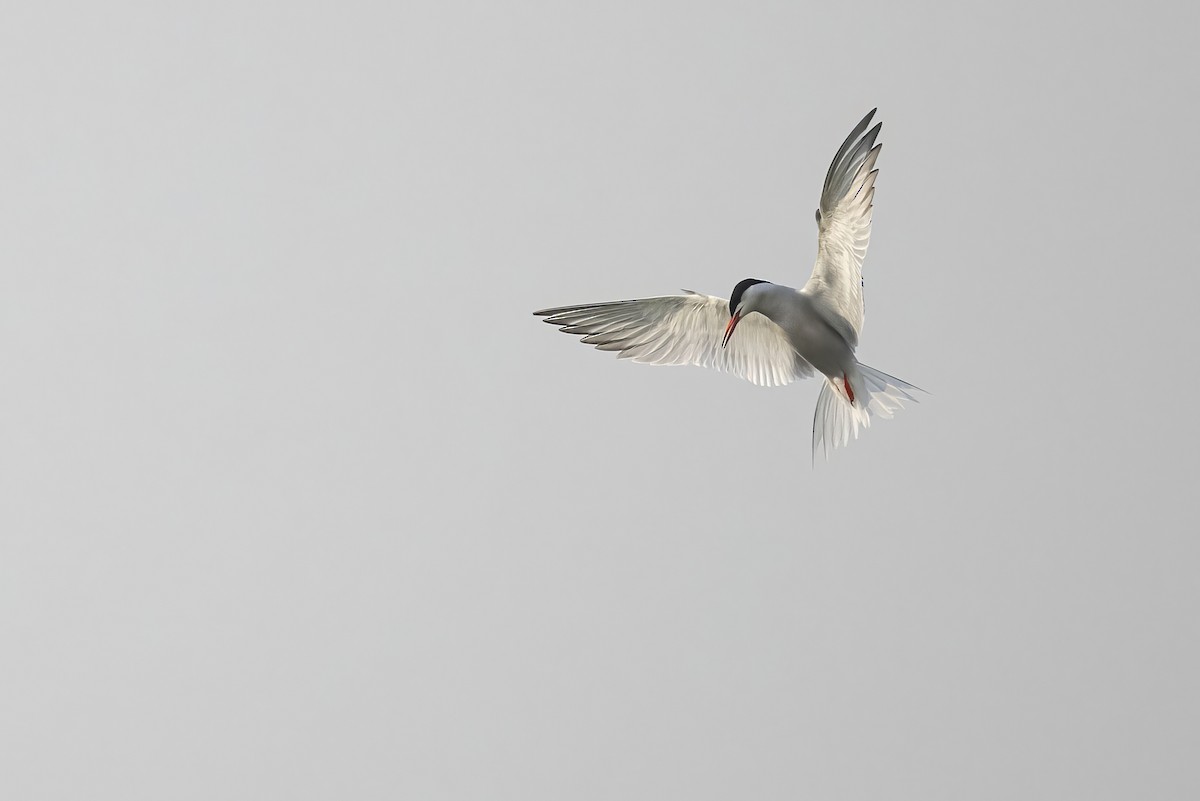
(803, 320)
(782, 334)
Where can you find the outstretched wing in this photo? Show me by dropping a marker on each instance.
(685, 329)
(844, 223)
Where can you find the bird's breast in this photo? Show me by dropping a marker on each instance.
(812, 336)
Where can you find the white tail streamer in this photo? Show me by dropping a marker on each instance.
(838, 419)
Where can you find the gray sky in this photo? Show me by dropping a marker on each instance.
(298, 500)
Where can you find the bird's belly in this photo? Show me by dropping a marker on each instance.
(821, 346)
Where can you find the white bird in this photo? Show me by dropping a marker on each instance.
(783, 334)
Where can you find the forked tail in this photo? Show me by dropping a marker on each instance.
(842, 410)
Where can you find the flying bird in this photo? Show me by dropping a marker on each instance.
(769, 333)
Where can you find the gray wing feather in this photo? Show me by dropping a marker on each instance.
(685, 329)
(844, 224)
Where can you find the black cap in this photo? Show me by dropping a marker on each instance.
(740, 290)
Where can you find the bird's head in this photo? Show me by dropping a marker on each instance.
(741, 303)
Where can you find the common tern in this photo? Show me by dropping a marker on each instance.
(783, 334)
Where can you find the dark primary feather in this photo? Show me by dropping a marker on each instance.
(846, 145)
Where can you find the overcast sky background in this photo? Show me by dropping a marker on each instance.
(298, 500)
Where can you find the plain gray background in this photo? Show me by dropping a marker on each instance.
(300, 502)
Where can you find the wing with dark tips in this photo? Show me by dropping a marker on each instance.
(844, 225)
(685, 329)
